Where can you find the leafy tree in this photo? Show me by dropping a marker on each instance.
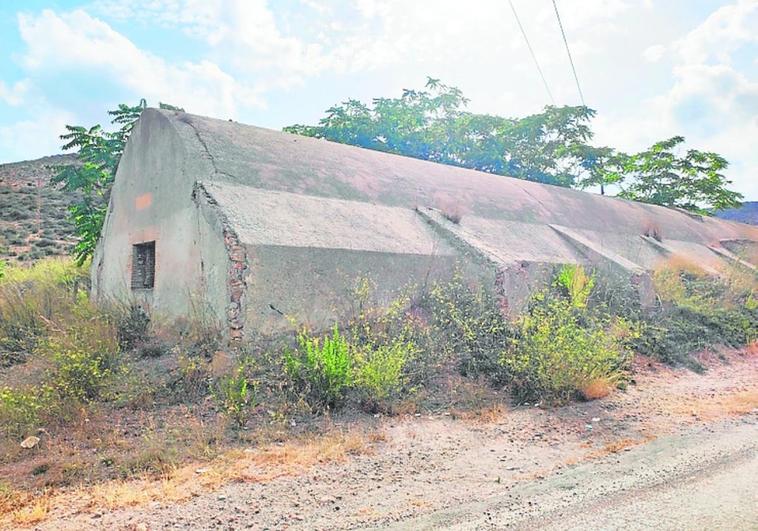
(601, 166)
(99, 154)
(432, 124)
(693, 181)
(549, 147)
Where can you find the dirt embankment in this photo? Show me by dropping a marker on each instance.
(403, 470)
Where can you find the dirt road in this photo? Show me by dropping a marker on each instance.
(705, 479)
(676, 450)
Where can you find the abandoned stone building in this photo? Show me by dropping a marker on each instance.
(260, 228)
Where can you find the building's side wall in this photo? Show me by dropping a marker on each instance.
(292, 286)
(152, 201)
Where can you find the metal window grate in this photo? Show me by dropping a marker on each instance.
(143, 265)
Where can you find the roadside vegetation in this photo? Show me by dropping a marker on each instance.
(144, 397)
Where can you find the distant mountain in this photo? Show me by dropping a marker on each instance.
(747, 213)
(33, 213)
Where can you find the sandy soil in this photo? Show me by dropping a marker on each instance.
(417, 467)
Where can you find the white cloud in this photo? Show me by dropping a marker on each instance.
(36, 136)
(243, 33)
(14, 94)
(710, 102)
(721, 34)
(655, 53)
(91, 44)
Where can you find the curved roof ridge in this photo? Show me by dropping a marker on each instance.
(274, 160)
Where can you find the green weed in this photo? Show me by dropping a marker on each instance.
(235, 395)
(322, 367)
(379, 374)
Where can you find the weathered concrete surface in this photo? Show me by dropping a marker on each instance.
(251, 224)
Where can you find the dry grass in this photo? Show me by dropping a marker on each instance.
(182, 483)
(597, 388)
(667, 278)
(452, 212)
(614, 447)
(33, 513)
(294, 457)
(489, 414)
(711, 408)
(680, 263)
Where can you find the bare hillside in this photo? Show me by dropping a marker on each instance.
(33, 213)
(747, 213)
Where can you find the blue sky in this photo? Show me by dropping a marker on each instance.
(652, 68)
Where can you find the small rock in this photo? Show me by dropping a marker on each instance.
(595, 419)
(221, 497)
(201, 471)
(30, 442)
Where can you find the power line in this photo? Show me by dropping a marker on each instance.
(534, 57)
(565, 42)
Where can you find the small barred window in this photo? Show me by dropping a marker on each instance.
(143, 265)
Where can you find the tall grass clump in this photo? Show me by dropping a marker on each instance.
(31, 297)
(45, 313)
(697, 311)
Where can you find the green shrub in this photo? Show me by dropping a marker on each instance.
(84, 355)
(697, 312)
(21, 410)
(235, 395)
(79, 374)
(560, 350)
(467, 326)
(321, 368)
(379, 375)
(132, 326)
(576, 284)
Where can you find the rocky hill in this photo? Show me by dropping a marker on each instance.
(34, 213)
(747, 213)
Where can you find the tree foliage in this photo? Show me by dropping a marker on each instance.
(693, 181)
(99, 152)
(432, 124)
(552, 147)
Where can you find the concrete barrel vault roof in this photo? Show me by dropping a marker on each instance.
(241, 156)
